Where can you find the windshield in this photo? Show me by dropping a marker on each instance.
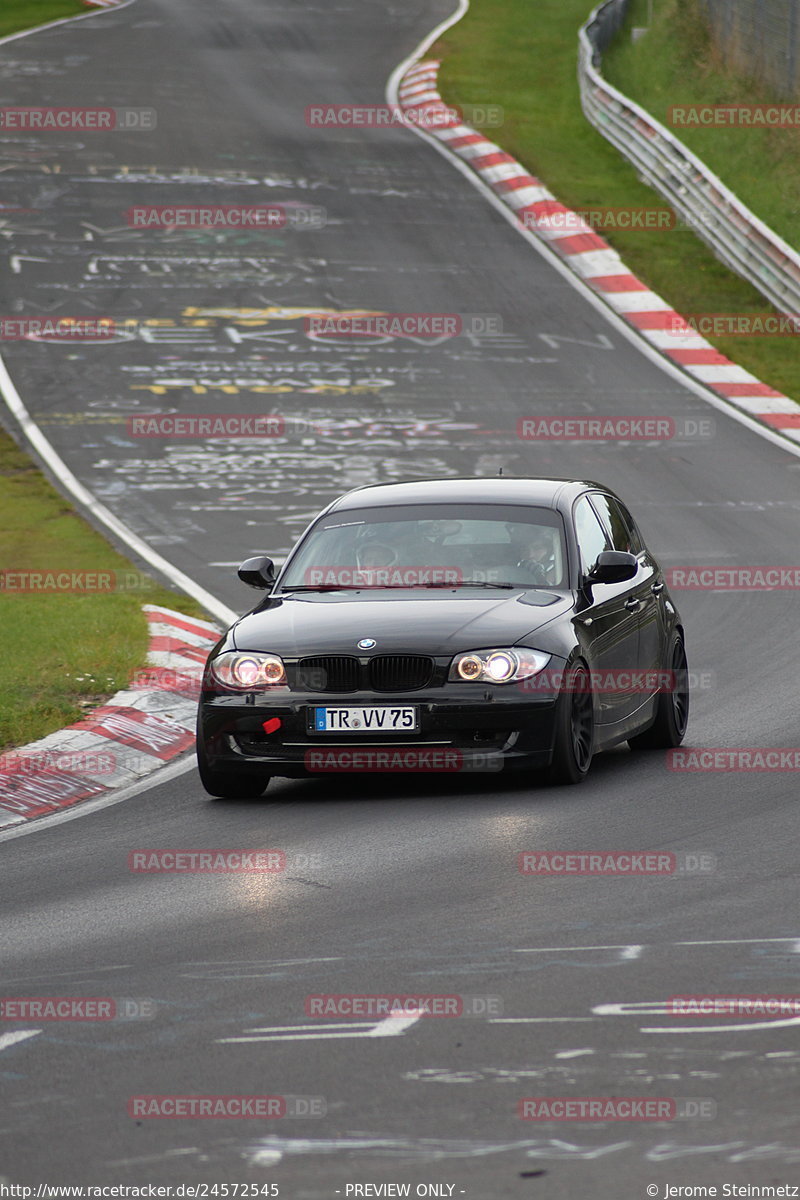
(441, 545)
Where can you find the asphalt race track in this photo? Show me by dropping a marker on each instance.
(401, 885)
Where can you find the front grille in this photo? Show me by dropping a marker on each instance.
(399, 672)
(329, 673)
(384, 673)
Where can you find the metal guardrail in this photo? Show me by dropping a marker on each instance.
(734, 233)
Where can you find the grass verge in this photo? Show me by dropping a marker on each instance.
(675, 61)
(26, 14)
(523, 56)
(64, 652)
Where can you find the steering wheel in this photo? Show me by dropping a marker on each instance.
(375, 554)
(535, 568)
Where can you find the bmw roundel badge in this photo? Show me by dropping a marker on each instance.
(367, 644)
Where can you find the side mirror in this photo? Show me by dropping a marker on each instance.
(613, 566)
(258, 572)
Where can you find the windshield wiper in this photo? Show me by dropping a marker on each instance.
(376, 587)
(320, 587)
(469, 583)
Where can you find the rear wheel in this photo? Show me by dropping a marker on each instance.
(229, 783)
(574, 736)
(672, 707)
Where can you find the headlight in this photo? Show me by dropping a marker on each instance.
(244, 672)
(497, 666)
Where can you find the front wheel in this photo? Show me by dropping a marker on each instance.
(672, 706)
(230, 783)
(574, 735)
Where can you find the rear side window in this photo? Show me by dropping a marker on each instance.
(618, 524)
(591, 536)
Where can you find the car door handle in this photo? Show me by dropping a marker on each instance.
(632, 603)
(657, 589)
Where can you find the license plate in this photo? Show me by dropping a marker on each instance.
(358, 719)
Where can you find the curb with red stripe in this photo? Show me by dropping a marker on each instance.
(135, 732)
(590, 257)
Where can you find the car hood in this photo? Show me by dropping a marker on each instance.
(422, 623)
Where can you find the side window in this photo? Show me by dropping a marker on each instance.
(611, 516)
(637, 545)
(592, 539)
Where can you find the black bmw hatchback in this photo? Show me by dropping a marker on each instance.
(470, 624)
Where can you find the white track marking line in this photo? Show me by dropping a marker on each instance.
(396, 1024)
(87, 500)
(246, 962)
(391, 1026)
(659, 945)
(11, 1039)
(721, 1028)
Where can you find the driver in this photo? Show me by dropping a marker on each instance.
(537, 554)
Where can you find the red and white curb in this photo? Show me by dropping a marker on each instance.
(135, 732)
(101, 3)
(590, 257)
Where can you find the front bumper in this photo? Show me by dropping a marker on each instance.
(463, 727)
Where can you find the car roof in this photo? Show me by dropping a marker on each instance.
(468, 489)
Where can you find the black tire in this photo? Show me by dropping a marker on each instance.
(574, 733)
(230, 783)
(672, 707)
